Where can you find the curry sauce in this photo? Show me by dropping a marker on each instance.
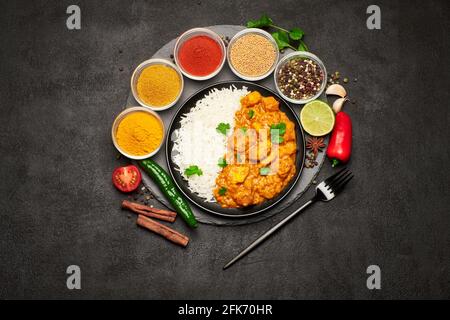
(261, 154)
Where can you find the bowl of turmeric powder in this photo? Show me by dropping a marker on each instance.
(157, 84)
(138, 133)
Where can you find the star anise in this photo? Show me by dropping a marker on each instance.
(315, 145)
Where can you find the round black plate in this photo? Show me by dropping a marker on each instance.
(214, 207)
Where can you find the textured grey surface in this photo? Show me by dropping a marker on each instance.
(60, 90)
(190, 87)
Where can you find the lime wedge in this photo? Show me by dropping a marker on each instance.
(317, 118)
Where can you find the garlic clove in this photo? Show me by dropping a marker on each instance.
(336, 90)
(338, 104)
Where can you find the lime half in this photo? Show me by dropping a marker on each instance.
(317, 118)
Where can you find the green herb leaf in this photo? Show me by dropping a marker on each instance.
(276, 132)
(190, 171)
(264, 171)
(251, 113)
(222, 191)
(244, 130)
(275, 138)
(264, 21)
(222, 163)
(279, 128)
(223, 128)
(282, 39)
(282, 36)
(302, 46)
(296, 34)
(282, 128)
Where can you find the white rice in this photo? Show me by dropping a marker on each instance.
(197, 142)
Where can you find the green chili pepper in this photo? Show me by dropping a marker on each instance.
(167, 186)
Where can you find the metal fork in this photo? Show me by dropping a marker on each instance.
(325, 191)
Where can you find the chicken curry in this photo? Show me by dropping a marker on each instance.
(261, 152)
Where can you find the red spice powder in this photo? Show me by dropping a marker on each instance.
(200, 55)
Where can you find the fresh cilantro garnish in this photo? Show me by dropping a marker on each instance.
(264, 171)
(281, 127)
(190, 171)
(244, 130)
(222, 163)
(276, 139)
(251, 113)
(296, 33)
(302, 46)
(223, 128)
(281, 37)
(284, 38)
(264, 21)
(277, 131)
(222, 191)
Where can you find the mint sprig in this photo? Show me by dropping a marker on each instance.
(284, 38)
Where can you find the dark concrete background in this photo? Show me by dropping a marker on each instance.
(61, 89)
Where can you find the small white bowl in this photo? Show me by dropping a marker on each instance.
(137, 72)
(121, 116)
(260, 32)
(199, 32)
(301, 54)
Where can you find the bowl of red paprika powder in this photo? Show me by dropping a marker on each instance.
(200, 53)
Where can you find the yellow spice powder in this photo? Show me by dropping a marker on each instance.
(158, 85)
(139, 133)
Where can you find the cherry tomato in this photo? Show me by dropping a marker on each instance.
(126, 179)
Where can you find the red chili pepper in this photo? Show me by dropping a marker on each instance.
(340, 146)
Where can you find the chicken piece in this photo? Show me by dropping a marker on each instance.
(257, 126)
(260, 151)
(243, 196)
(285, 166)
(288, 148)
(237, 142)
(269, 186)
(271, 104)
(290, 131)
(252, 137)
(272, 156)
(237, 174)
(251, 99)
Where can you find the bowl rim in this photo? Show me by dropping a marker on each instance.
(306, 54)
(241, 34)
(208, 32)
(121, 116)
(136, 73)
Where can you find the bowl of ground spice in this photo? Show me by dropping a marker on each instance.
(157, 84)
(138, 133)
(300, 77)
(252, 54)
(200, 53)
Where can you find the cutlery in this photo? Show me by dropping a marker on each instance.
(325, 191)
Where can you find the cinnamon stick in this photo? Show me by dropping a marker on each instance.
(162, 230)
(147, 211)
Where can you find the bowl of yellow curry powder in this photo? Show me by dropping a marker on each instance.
(157, 84)
(138, 133)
